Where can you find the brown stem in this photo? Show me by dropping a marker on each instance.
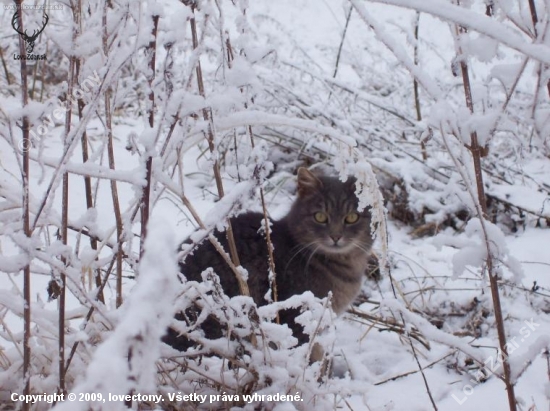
(43, 75)
(111, 155)
(146, 194)
(230, 57)
(535, 20)
(534, 17)
(415, 82)
(341, 46)
(31, 91)
(274, 291)
(267, 237)
(207, 115)
(26, 218)
(4, 65)
(420, 368)
(64, 234)
(102, 285)
(169, 135)
(90, 312)
(85, 156)
(476, 151)
(88, 183)
(474, 148)
(415, 88)
(65, 213)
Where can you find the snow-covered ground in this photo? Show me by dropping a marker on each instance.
(421, 336)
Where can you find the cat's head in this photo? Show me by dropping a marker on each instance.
(324, 217)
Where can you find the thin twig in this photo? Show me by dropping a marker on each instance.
(85, 155)
(207, 116)
(271, 257)
(389, 324)
(111, 155)
(341, 46)
(4, 65)
(91, 311)
(476, 151)
(535, 20)
(416, 91)
(26, 217)
(64, 232)
(397, 377)
(146, 194)
(420, 368)
(88, 183)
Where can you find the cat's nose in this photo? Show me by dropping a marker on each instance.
(336, 238)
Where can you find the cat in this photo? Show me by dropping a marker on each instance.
(322, 245)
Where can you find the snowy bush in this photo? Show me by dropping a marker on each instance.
(151, 121)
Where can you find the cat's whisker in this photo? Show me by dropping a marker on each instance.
(301, 248)
(311, 255)
(366, 250)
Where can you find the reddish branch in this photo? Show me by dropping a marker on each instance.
(477, 152)
(26, 218)
(146, 195)
(535, 20)
(207, 116)
(111, 155)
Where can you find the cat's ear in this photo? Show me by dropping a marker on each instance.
(307, 182)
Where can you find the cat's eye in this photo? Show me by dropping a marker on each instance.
(351, 218)
(320, 217)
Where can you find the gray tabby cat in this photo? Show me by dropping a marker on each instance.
(322, 246)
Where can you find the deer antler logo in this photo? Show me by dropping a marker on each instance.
(29, 40)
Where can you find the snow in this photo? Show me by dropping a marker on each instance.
(478, 22)
(132, 350)
(284, 89)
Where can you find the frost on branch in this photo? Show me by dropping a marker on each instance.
(473, 252)
(272, 364)
(127, 359)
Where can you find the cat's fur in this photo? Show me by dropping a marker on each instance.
(309, 255)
